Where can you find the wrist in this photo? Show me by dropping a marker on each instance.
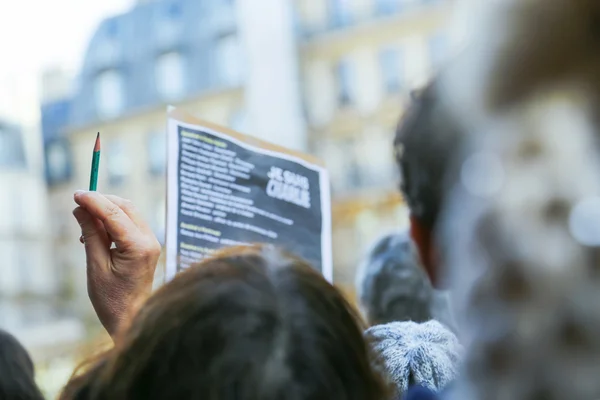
(118, 306)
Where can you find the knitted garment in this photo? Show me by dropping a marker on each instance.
(425, 354)
(420, 393)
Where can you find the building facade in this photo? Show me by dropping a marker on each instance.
(359, 60)
(327, 77)
(32, 306)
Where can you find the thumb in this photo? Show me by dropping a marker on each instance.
(97, 244)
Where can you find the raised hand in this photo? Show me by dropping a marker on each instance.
(120, 277)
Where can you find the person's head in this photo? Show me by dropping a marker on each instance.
(391, 284)
(17, 377)
(425, 144)
(250, 323)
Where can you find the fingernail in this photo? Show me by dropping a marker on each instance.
(79, 193)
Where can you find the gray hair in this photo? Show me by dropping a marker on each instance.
(392, 285)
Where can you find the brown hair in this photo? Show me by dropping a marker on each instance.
(250, 323)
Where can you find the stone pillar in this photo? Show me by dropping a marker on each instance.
(273, 97)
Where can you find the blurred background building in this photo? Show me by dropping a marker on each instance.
(325, 76)
(359, 60)
(32, 306)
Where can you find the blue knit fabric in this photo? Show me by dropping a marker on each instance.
(421, 393)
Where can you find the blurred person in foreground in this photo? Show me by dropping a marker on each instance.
(521, 230)
(399, 302)
(427, 142)
(17, 375)
(518, 237)
(249, 323)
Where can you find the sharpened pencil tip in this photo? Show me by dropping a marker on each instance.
(97, 145)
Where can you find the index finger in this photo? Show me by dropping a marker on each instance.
(116, 222)
(131, 211)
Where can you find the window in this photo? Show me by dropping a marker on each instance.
(339, 11)
(12, 152)
(392, 69)
(344, 82)
(229, 60)
(118, 162)
(353, 176)
(157, 153)
(109, 94)
(58, 163)
(170, 78)
(54, 114)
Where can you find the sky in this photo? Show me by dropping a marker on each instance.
(39, 34)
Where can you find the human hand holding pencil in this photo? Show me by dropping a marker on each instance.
(117, 277)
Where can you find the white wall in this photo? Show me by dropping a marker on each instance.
(273, 99)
